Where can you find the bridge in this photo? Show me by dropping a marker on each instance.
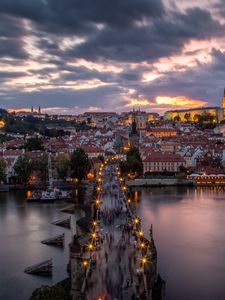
(110, 256)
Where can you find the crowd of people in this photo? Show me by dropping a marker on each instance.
(118, 259)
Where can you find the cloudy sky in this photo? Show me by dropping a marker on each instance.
(71, 56)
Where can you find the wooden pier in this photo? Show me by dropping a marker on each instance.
(57, 241)
(44, 268)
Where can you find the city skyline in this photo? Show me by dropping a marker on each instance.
(73, 57)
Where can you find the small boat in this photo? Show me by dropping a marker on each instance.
(33, 196)
(49, 195)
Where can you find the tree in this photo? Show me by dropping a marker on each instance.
(133, 164)
(80, 165)
(187, 117)
(2, 170)
(177, 118)
(182, 169)
(23, 168)
(196, 118)
(34, 143)
(3, 112)
(62, 165)
(206, 117)
(41, 166)
(49, 293)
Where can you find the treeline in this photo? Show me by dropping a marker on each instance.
(30, 125)
(77, 166)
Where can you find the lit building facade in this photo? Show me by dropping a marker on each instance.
(160, 162)
(216, 112)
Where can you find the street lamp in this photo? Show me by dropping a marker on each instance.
(94, 235)
(142, 245)
(85, 263)
(90, 246)
(140, 233)
(94, 223)
(136, 221)
(97, 202)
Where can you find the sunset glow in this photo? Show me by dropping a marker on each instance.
(180, 101)
(112, 63)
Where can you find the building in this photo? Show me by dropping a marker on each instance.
(92, 151)
(205, 179)
(134, 136)
(223, 100)
(160, 162)
(160, 132)
(217, 114)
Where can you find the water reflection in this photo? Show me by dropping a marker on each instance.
(189, 232)
(188, 229)
(23, 225)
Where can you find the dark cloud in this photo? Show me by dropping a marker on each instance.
(105, 97)
(125, 33)
(4, 75)
(11, 37)
(161, 38)
(81, 16)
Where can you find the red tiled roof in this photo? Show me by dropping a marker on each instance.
(163, 157)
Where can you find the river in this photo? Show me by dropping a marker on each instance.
(22, 227)
(189, 231)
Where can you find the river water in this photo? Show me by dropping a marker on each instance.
(189, 231)
(22, 227)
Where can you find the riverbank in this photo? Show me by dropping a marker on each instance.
(145, 182)
(39, 186)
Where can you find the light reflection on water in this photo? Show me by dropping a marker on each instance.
(189, 231)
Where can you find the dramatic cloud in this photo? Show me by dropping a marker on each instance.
(72, 56)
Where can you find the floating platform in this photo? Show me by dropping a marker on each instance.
(63, 223)
(57, 241)
(44, 268)
(69, 209)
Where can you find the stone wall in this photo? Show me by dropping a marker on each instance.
(158, 182)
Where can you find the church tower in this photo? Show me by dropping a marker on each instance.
(134, 135)
(223, 100)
